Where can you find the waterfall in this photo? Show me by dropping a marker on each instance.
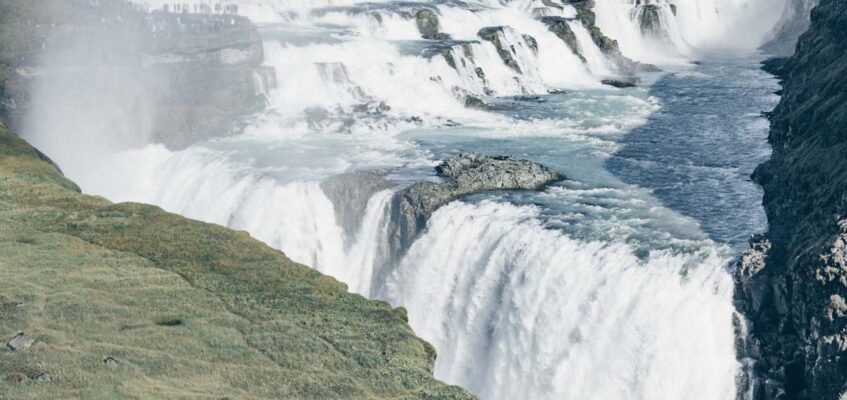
(519, 311)
(593, 56)
(570, 298)
(691, 26)
(370, 251)
(514, 308)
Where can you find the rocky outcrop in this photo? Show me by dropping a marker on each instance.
(448, 49)
(560, 27)
(173, 57)
(472, 101)
(410, 208)
(609, 47)
(495, 35)
(792, 286)
(794, 22)
(466, 174)
(650, 21)
(20, 342)
(350, 194)
(622, 83)
(427, 23)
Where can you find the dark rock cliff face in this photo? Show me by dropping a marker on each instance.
(795, 20)
(792, 285)
(174, 57)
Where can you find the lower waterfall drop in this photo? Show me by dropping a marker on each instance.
(519, 311)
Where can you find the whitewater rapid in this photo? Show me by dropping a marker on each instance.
(590, 289)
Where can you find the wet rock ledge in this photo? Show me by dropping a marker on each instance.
(411, 207)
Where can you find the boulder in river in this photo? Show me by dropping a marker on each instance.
(472, 101)
(410, 208)
(622, 83)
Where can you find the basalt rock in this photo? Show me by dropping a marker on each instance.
(494, 34)
(622, 83)
(474, 102)
(427, 23)
(585, 15)
(350, 193)
(20, 342)
(447, 49)
(560, 27)
(466, 174)
(531, 42)
(793, 295)
(609, 47)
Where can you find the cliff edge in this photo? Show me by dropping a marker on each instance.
(792, 284)
(102, 300)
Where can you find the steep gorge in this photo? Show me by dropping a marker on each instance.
(770, 297)
(792, 284)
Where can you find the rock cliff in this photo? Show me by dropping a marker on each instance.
(199, 74)
(792, 284)
(782, 41)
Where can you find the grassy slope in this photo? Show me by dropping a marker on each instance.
(91, 279)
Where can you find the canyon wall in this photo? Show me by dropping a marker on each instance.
(792, 284)
(194, 76)
(782, 40)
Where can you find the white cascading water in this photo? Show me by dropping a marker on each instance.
(696, 26)
(519, 311)
(516, 307)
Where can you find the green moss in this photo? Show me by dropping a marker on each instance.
(187, 309)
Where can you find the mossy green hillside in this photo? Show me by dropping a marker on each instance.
(128, 301)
